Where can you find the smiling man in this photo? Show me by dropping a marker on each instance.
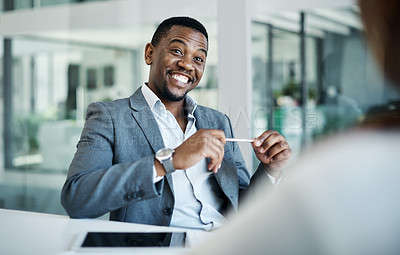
(159, 158)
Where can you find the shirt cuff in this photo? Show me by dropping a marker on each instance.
(155, 177)
(274, 181)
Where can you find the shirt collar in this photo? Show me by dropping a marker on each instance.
(152, 100)
(149, 96)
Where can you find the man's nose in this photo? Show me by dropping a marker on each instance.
(186, 63)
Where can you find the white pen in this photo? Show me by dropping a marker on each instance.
(239, 140)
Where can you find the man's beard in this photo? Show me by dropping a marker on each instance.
(170, 96)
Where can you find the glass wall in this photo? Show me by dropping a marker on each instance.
(316, 87)
(28, 4)
(52, 85)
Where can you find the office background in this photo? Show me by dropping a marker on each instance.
(299, 67)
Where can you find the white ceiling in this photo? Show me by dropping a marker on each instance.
(130, 23)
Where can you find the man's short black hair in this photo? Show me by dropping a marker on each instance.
(166, 25)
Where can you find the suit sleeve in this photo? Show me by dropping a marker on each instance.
(95, 185)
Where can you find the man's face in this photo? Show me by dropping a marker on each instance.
(177, 63)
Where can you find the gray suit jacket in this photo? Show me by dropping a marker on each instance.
(112, 170)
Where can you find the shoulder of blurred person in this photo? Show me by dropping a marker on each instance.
(338, 199)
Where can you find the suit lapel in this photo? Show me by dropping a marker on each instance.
(226, 177)
(202, 120)
(146, 121)
(148, 124)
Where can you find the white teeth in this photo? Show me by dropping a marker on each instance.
(180, 78)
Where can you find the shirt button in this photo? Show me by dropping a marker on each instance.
(167, 211)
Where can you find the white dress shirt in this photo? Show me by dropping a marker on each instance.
(198, 197)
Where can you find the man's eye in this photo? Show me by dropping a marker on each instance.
(177, 51)
(198, 59)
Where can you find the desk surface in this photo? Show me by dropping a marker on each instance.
(37, 233)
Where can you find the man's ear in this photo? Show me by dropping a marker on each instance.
(148, 53)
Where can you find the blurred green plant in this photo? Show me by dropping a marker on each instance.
(26, 129)
(292, 89)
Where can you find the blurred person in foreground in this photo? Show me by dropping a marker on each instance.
(343, 198)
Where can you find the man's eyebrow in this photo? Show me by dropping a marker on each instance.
(182, 42)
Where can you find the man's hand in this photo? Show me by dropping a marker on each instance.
(205, 143)
(273, 151)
